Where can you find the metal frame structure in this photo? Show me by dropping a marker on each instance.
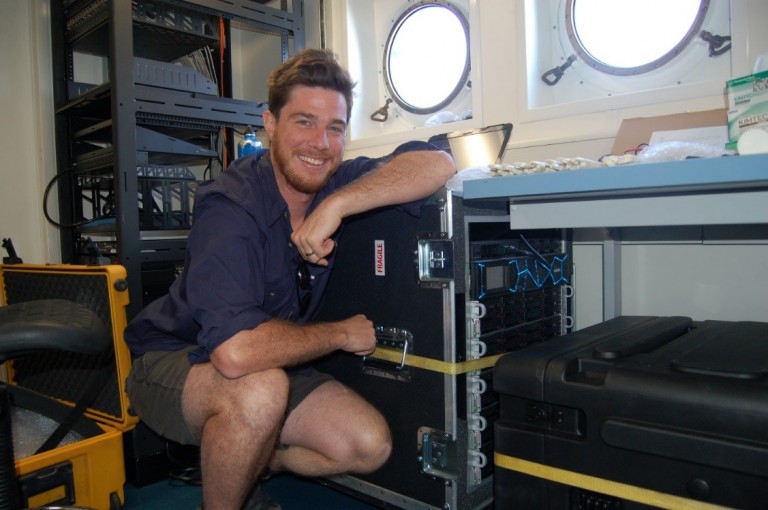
(150, 113)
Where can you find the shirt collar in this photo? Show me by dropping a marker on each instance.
(278, 208)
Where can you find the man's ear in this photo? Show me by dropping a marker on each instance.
(269, 122)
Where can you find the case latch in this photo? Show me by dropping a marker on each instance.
(396, 338)
(435, 260)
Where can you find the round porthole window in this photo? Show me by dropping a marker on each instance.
(626, 37)
(426, 59)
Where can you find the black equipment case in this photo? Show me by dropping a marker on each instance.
(87, 470)
(636, 412)
(448, 292)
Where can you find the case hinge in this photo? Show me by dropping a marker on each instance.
(438, 454)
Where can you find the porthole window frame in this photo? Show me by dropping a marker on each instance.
(585, 56)
(463, 81)
(693, 74)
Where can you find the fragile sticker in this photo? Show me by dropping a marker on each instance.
(379, 259)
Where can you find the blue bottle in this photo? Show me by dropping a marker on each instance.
(249, 144)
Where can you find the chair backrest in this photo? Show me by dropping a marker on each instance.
(66, 375)
(30, 327)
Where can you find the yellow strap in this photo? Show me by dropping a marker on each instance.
(592, 483)
(434, 365)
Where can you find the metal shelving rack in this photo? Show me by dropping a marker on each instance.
(130, 149)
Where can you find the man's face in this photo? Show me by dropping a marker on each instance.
(307, 141)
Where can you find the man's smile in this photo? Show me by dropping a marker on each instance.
(311, 161)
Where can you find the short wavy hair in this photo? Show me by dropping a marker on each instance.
(310, 67)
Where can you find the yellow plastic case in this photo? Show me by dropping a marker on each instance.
(91, 471)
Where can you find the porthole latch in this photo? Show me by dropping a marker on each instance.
(382, 113)
(553, 76)
(718, 44)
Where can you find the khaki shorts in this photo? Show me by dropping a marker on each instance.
(156, 381)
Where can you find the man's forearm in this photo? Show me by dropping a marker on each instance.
(406, 177)
(276, 343)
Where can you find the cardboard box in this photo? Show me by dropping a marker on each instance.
(747, 105)
(637, 131)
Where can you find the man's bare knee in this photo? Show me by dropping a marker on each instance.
(367, 448)
(261, 396)
(372, 449)
(257, 400)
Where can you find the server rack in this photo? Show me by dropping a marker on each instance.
(133, 145)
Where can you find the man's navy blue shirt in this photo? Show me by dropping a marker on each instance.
(240, 265)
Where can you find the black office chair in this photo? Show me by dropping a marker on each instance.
(30, 327)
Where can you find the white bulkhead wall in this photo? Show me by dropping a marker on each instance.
(358, 33)
(659, 277)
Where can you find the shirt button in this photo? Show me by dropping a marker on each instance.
(290, 244)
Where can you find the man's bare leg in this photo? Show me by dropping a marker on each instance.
(238, 421)
(333, 431)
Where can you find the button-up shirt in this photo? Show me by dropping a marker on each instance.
(240, 264)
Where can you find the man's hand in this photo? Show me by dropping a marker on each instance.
(313, 237)
(361, 337)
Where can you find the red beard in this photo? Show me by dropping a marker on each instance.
(294, 177)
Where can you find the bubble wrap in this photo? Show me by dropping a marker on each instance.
(31, 429)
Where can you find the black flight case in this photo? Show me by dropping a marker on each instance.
(636, 412)
(449, 292)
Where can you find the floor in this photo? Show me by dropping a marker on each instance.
(291, 492)
(181, 490)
